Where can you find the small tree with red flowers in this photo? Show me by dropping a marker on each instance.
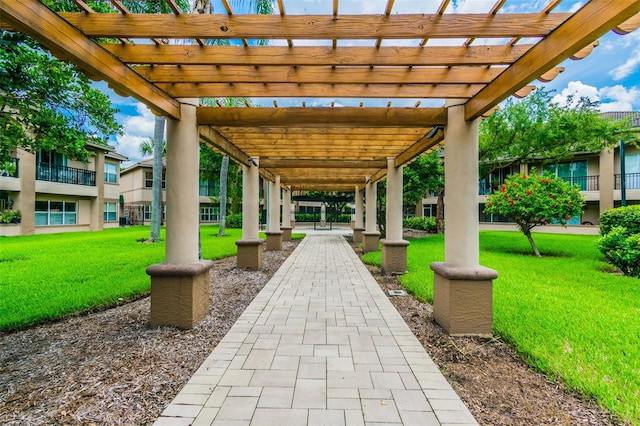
(532, 200)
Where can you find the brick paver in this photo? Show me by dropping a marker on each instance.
(320, 345)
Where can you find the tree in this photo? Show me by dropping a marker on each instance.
(425, 175)
(158, 148)
(48, 104)
(533, 200)
(536, 128)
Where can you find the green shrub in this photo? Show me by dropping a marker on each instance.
(622, 250)
(627, 217)
(421, 223)
(307, 217)
(234, 220)
(10, 216)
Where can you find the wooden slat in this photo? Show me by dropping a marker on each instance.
(629, 25)
(319, 117)
(305, 55)
(418, 148)
(327, 132)
(212, 138)
(315, 74)
(587, 24)
(317, 27)
(287, 163)
(321, 90)
(33, 18)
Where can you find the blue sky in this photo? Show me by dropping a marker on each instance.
(610, 75)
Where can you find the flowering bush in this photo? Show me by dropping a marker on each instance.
(533, 200)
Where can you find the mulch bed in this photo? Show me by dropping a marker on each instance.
(111, 367)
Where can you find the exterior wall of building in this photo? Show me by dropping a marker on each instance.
(87, 194)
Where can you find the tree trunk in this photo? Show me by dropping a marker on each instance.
(156, 200)
(533, 244)
(440, 212)
(224, 169)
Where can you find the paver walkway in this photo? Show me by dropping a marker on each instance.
(320, 345)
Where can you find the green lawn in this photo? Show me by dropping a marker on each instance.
(563, 312)
(47, 276)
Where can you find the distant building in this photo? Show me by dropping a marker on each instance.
(136, 189)
(55, 194)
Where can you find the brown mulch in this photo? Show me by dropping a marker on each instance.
(111, 367)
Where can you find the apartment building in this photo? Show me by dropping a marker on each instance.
(136, 185)
(56, 194)
(599, 175)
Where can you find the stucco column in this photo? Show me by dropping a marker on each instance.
(180, 285)
(274, 234)
(286, 227)
(370, 236)
(462, 288)
(394, 248)
(607, 175)
(358, 226)
(250, 246)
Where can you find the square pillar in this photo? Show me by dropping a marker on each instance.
(179, 293)
(607, 184)
(370, 236)
(250, 246)
(358, 226)
(462, 299)
(180, 285)
(465, 299)
(394, 248)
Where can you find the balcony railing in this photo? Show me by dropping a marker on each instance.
(63, 174)
(586, 183)
(631, 180)
(10, 169)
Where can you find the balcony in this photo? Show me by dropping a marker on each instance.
(631, 180)
(62, 174)
(10, 169)
(586, 183)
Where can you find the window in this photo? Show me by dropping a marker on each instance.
(50, 213)
(632, 171)
(209, 188)
(148, 180)
(110, 173)
(574, 172)
(147, 212)
(110, 212)
(53, 158)
(209, 214)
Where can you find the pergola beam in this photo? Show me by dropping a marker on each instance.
(423, 144)
(598, 16)
(36, 20)
(322, 90)
(401, 26)
(316, 74)
(322, 117)
(447, 56)
(214, 139)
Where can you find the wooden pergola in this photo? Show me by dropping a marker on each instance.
(481, 58)
(454, 67)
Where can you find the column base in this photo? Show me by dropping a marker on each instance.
(462, 299)
(370, 241)
(179, 293)
(249, 254)
(357, 235)
(394, 256)
(286, 233)
(274, 240)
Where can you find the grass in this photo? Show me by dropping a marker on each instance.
(564, 313)
(43, 277)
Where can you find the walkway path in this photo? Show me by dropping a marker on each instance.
(320, 345)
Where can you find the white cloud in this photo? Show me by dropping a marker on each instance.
(610, 98)
(630, 66)
(136, 129)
